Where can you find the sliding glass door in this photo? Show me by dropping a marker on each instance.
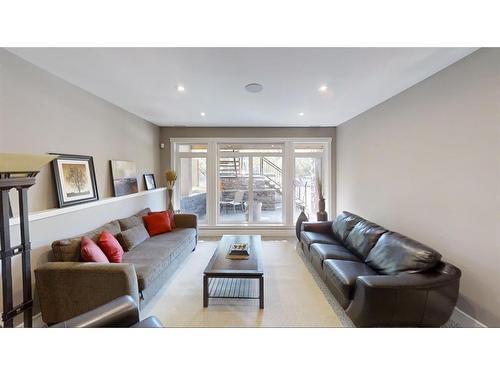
(234, 177)
(267, 189)
(250, 181)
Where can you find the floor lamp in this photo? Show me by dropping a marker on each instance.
(17, 171)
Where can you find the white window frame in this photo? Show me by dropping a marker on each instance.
(288, 155)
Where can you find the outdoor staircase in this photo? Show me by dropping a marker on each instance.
(229, 167)
(269, 173)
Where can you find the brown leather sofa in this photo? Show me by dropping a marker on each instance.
(122, 312)
(381, 278)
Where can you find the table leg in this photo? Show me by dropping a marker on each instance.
(205, 291)
(261, 292)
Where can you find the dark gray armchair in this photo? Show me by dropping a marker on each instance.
(122, 312)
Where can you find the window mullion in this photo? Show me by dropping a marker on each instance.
(212, 180)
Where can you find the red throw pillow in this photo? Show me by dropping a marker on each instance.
(90, 252)
(110, 247)
(157, 223)
(171, 217)
(170, 214)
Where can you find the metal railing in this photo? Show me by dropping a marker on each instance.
(272, 172)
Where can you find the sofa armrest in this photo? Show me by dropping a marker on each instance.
(122, 312)
(186, 221)
(420, 299)
(404, 281)
(317, 226)
(68, 289)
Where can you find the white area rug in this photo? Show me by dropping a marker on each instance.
(294, 296)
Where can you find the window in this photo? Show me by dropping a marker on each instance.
(308, 159)
(201, 148)
(249, 182)
(191, 167)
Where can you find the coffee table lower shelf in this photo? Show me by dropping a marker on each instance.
(249, 287)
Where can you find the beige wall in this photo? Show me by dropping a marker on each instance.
(426, 163)
(246, 132)
(41, 113)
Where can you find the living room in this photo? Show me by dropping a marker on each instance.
(320, 185)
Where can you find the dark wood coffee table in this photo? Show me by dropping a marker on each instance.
(230, 278)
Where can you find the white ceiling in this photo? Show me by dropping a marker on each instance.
(143, 80)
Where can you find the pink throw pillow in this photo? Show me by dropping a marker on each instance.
(90, 252)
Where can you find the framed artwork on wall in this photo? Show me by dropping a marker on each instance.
(124, 174)
(74, 176)
(149, 181)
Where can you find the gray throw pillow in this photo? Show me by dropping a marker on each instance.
(143, 212)
(132, 237)
(130, 222)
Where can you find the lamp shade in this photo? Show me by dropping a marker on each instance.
(21, 163)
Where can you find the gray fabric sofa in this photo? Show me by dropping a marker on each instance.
(68, 287)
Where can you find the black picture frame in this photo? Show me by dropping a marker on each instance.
(149, 181)
(65, 197)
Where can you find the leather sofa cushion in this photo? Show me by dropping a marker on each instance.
(343, 224)
(68, 250)
(324, 251)
(341, 275)
(363, 237)
(149, 322)
(395, 253)
(314, 237)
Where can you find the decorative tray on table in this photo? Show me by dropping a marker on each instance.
(238, 251)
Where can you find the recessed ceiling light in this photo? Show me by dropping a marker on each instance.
(301, 113)
(180, 88)
(323, 88)
(254, 87)
(202, 114)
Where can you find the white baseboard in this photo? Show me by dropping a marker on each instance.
(464, 320)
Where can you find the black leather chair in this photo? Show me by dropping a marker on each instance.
(381, 278)
(122, 312)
